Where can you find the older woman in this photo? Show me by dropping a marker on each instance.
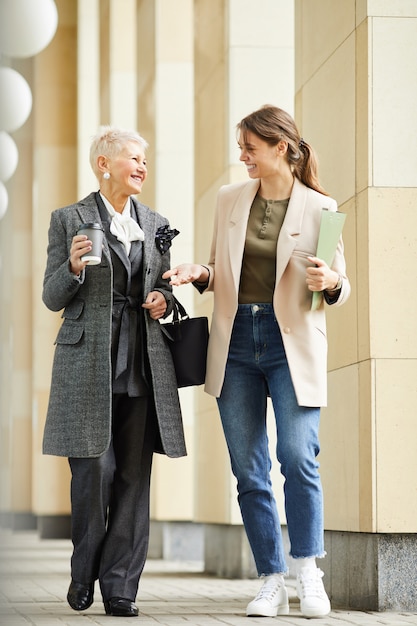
(114, 398)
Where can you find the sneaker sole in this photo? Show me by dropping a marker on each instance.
(312, 615)
(283, 609)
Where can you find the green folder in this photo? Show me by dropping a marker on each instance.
(331, 226)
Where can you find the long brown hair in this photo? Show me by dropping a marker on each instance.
(272, 124)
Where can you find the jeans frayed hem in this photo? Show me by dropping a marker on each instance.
(274, 574)
(310, 556)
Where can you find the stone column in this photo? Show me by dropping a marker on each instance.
(88, 90)
(16, 333)
(165, 110)
(54, 185)
(117, 62)
(355, 101)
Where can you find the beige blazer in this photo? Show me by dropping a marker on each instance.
(303, 331)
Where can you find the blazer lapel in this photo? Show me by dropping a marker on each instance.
(287, 240)
(238, 223)
(117, 247)
(136, 250)
(146, 219)
(291, 227)
(113, 242)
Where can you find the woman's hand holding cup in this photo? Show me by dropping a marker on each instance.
(86, 247)
(80, 245)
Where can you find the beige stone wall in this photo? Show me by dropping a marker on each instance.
(184, 74)
(355, 100)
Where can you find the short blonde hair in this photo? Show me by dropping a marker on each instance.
(110, 141)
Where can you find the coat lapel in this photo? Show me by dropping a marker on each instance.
(88, 209)
(89, 212)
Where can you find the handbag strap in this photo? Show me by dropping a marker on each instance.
(178, 311)
(178, 315)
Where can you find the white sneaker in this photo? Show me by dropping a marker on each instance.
(271, 600)
(310, 589)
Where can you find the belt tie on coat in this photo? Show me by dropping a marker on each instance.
(128, 330)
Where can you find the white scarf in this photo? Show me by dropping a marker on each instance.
(123, 226)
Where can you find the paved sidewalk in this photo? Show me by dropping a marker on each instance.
(34, 577)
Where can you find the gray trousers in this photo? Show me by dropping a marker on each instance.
(110, 503)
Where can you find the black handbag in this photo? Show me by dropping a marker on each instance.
(187, 338)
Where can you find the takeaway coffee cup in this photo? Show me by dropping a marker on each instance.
(94, 232)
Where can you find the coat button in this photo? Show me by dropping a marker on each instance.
(287, 329)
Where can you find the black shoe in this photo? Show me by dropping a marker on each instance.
(80, 595)
(121, 607)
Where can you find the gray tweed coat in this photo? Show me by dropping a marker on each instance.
(78, 422)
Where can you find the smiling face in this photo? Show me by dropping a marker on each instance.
(127, 170)
(261, 159)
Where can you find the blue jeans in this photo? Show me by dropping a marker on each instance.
(257, 367)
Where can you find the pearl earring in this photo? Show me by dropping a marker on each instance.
(106, 175)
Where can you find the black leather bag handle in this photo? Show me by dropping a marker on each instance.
(178, 311)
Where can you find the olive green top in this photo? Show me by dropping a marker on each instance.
(257, 279)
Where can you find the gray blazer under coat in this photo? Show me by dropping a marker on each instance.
(78, 422)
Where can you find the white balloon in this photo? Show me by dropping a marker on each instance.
(26, 26)
(4, 200)
(15, 99)
(9, 156)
